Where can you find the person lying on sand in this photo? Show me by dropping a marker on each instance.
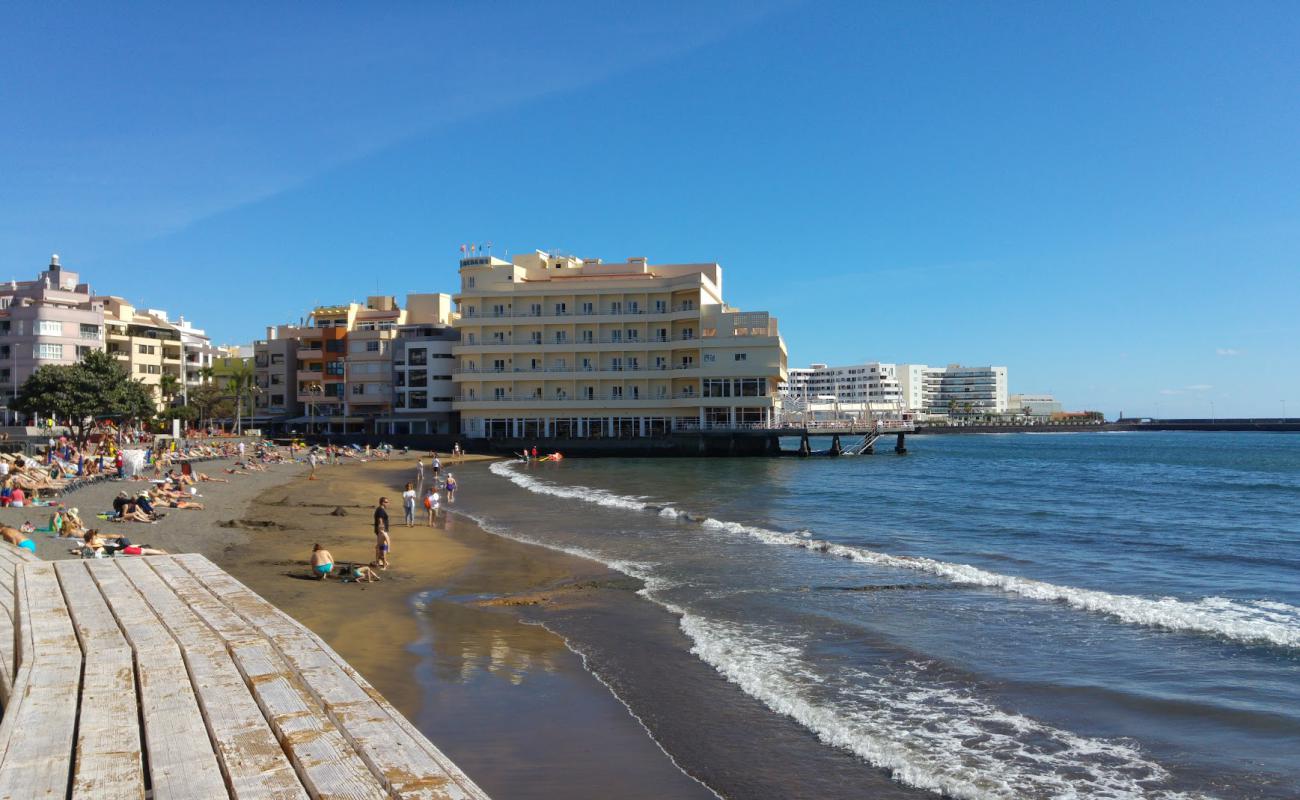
(93, 545)
(16, 538)
(362, 573)
(321, 562)
(203, 476)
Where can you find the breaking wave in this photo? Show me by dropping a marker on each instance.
(1245, 621)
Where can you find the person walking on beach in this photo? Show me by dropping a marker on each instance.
(455, 453)
(311, 459)
(451, 488)
(432, 503)
(419, 475)
(382, 542)
(241, 449)
(321, 562)
(408, 504)
(437, 468)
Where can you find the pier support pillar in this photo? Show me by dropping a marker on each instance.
(836, 449)
(901, 446)
(869, 450)
(805, 449)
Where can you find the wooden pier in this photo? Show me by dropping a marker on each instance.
(164, 677)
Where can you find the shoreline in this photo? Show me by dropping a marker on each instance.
(483, 684)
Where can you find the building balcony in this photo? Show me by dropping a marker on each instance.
(309, 353)
(676, 312)
(574, 373)
(595, 342)
(310, 375)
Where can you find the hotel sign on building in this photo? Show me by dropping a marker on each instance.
(556, 346)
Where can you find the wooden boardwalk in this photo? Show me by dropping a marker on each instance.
(164, 675)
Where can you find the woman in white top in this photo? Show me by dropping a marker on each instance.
(408, 504)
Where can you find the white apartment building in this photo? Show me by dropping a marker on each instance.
(957, 389)
(556, 346)
(856, 388)
(874, 387)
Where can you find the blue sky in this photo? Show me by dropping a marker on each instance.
(1105, 197)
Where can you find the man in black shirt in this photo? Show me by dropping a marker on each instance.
(381, 534)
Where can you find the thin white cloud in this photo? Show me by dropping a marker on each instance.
(1226, 351)
(1199, 387)
(1171, 391)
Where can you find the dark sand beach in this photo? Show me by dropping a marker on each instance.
(441, 635)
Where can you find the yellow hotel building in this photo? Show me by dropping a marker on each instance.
(556, 346)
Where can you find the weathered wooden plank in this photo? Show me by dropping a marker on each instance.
(38, 756)
(324, 758)
(181, 760)
(251, 757)
(108, 760)
(407, 763)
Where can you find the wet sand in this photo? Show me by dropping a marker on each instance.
(507, 701)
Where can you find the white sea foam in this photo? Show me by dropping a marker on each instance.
(584, 493)
(1246, 621)
(930, 736)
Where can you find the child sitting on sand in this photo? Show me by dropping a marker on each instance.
(322, 563)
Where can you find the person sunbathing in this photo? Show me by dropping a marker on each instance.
(203, 476)
(95, 544)
(73, 527)
(16, 538)
(180, 502)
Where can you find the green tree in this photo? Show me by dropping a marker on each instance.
(168, 387)
(210, 401)
(97, 387)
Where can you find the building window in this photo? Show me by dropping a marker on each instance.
(588, 393)
(742, 356)
(51, 351)
(616, 392)
(535, 309)
(417, 356)
(561, 337)
(616, 307)
(588, 308)
(277, 399)
(418, 377)
(661, 306)
(499, 393)
(587, 337)
(561, 309)
(89, 331)
(372, 347)
(358, 388)
(633, 335)
(147, 349)
(333, 367)
(469, 282)
(49, 327)
(418, 400)
(332, 346)
(688, 334)
(633, 307)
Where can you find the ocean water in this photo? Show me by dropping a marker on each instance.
(1003, 616)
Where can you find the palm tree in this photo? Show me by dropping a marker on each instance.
(242, 384)
(168, 386)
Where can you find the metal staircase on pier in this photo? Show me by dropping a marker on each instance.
(878, 429)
